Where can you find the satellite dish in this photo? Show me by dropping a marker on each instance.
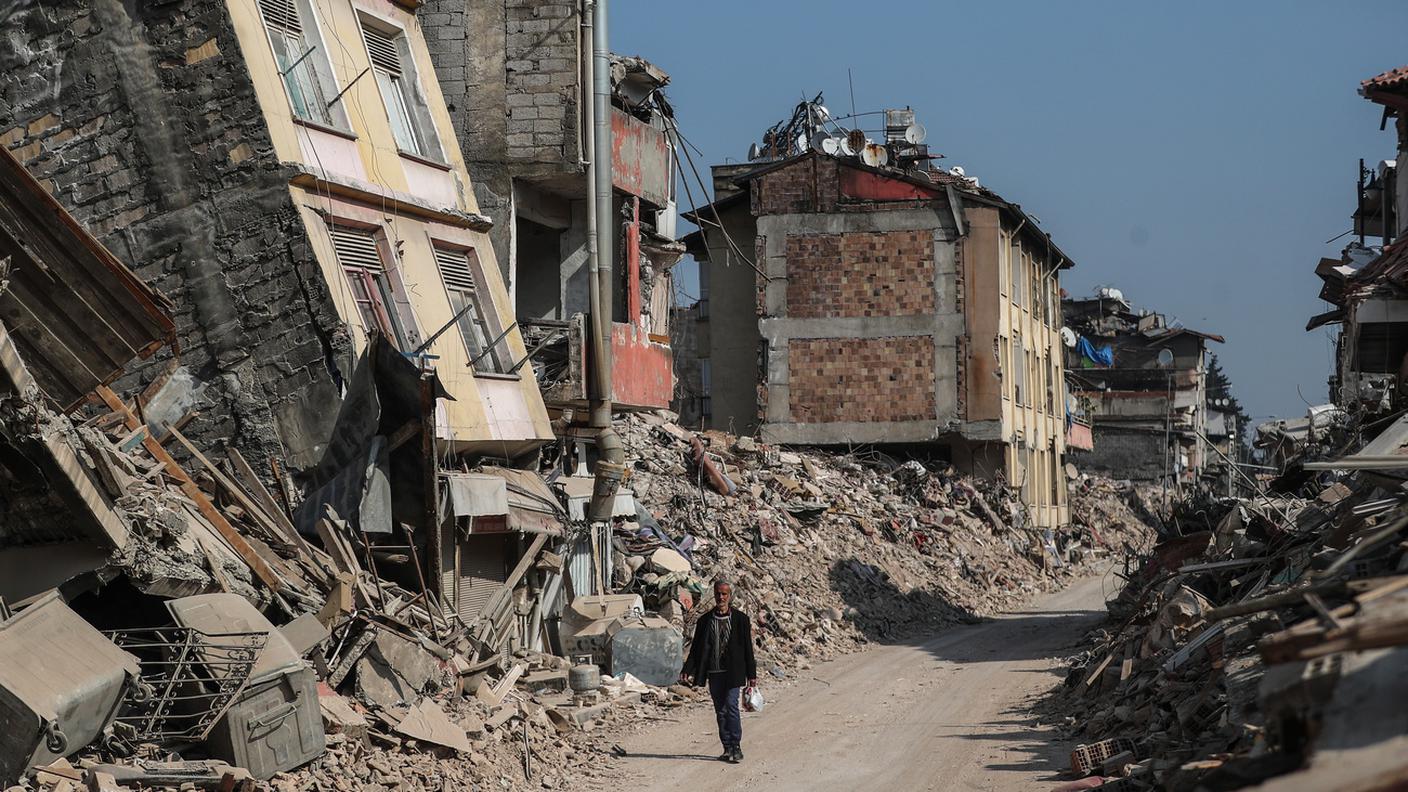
(819, 141)
(843, 145)
(874, 155)
(831, 146)
(856, 140)
(1165, 357)
(754, 152)
(802, 143)
(957, 170)
(822, 114)
(1068, 337)
(914, 134)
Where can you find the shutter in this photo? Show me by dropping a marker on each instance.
(382, 48)
(483, 570)
(356, 248)
(454, 269)
(282, 16)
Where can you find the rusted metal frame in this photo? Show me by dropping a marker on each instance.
(490, 346)
(431, 605)
(246, 552)
(536, 349)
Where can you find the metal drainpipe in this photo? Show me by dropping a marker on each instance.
(611, 459)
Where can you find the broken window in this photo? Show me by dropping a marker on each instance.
(302, 61)
(360, 257)
(1381, 347)
(458, 270)
(406, 108)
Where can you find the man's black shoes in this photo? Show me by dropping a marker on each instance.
(735, 756)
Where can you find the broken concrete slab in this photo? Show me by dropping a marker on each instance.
(428, 723)
(409, 660)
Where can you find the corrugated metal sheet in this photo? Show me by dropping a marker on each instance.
(482, 570)
(579, 564)
(76, 314)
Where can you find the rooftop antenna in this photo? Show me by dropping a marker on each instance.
(852, 83)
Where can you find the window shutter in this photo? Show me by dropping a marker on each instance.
(382, 48)
(454, 268)
(356, 248)
(282, 16)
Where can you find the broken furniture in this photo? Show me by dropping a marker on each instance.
(61, 682)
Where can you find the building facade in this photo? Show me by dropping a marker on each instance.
(514, 75)
(1367, 286)
(287, 172)
(844, 303)
(1142, 385)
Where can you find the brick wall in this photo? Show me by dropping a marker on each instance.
(145, 126)
(854, 379)
(860, 274)
(808, 185)
(510, 74)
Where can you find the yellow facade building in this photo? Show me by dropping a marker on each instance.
(352, 103)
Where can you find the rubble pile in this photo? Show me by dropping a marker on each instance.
(1260, 643)
(832, 551)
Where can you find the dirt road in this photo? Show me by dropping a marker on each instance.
(949, 713)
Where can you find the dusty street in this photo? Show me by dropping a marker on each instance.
(945, 714)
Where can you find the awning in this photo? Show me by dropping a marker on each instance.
(503, 499)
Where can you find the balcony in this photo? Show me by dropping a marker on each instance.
(642, 369)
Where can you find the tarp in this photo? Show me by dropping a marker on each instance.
(1103, 356)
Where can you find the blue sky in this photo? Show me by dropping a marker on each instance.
(1196, 155)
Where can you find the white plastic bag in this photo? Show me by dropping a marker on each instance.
(753, 699)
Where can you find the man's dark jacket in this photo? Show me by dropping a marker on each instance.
(738, 663)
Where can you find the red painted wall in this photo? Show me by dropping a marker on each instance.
(642, 371)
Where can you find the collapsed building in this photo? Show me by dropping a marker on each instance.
(1141, 384)
(853, 293)
(1366, 286)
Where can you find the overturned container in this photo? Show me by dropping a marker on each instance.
(275, 723)
(61, 683)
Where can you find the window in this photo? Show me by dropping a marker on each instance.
(1004, 258)
(1015, 280)
(487, 351)
(406, 108)
(360, 257)
(302, 60)
(1002, 363)
(1019, 372)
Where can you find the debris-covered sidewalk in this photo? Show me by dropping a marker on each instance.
(1262, 641)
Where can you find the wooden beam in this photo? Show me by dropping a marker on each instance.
(261, 570)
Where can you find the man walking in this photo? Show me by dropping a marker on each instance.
(721, 656)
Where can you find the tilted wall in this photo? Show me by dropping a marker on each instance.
(141, 119)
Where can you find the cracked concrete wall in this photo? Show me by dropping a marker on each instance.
(141, 119)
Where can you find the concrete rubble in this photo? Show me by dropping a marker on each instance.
(1256, 644)
(830, 551)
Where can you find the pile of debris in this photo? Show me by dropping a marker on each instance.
(833, 551)
(1265, 642)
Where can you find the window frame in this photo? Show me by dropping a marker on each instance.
(403, 98)
(480, 317)
(309, 68)
(376, 284)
